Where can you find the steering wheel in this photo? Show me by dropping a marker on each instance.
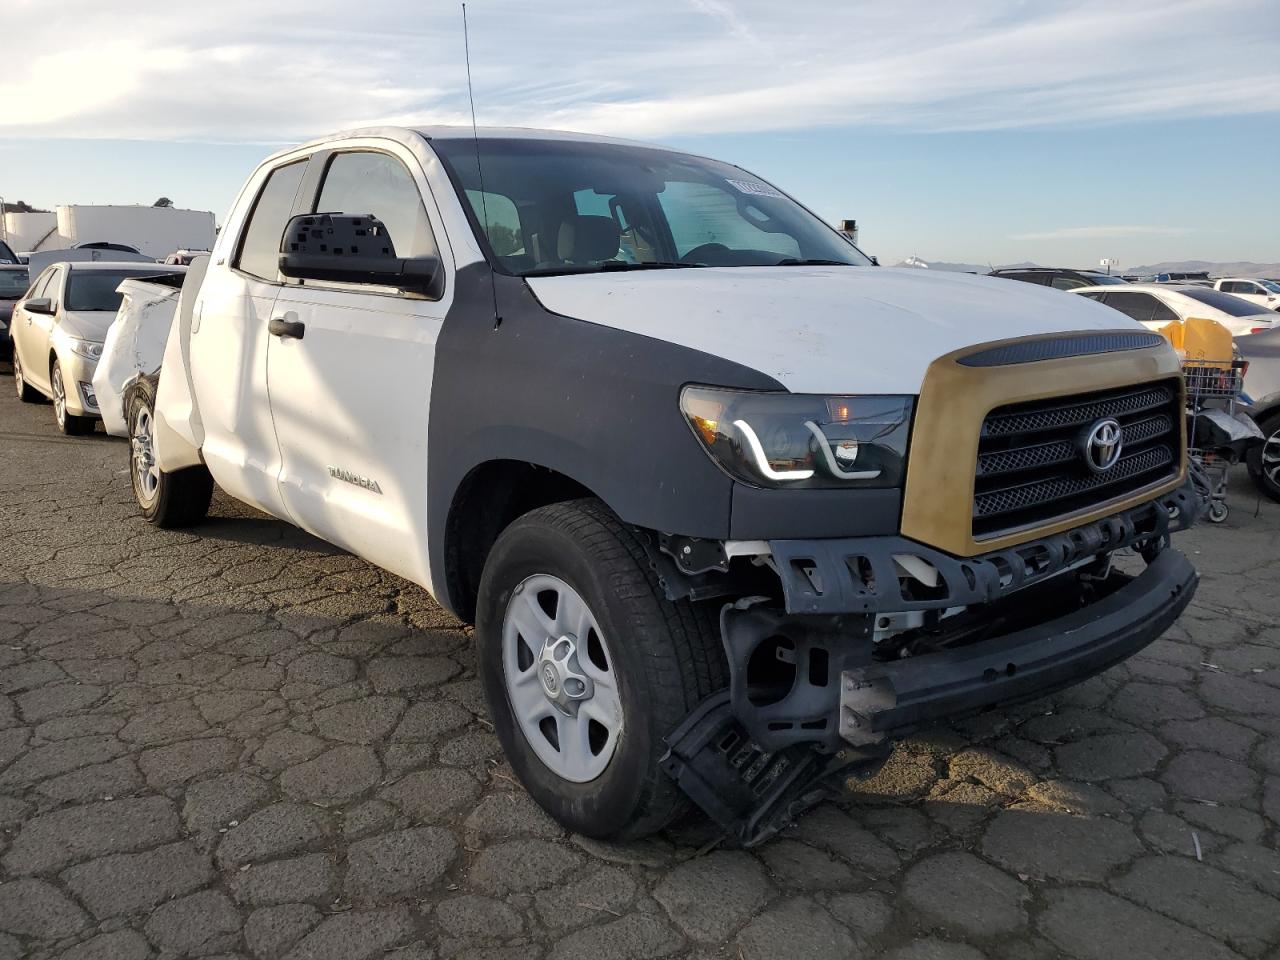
(700, 253)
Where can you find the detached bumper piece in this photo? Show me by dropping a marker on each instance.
(861, 574)
(752, 792)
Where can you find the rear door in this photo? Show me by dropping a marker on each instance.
(350, 397)
(229, 343)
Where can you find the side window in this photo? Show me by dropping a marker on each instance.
(1100, 297)
(1161, 312)
(501, 221)
(42, 284)
(1066, 283)
(378, 184)
(1230, 286)
(699, 213)
(259, 253)
(1140, 306)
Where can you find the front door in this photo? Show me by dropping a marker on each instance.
(350, 395)
(31, 331)
(229, 337)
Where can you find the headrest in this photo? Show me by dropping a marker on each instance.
(586, 239)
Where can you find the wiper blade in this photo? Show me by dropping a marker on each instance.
(800, 262)
(609, 266)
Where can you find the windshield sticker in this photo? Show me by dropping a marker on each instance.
(756, 189)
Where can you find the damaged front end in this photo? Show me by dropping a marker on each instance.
(836, 647)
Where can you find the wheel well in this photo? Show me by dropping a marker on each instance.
(489, 498)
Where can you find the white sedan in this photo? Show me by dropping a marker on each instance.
(1156, 304)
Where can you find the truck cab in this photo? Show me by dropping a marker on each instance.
(730, 507)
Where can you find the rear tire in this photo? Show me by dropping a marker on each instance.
(68, 423)
(1264, 458)
(26, 392)
(663, 658)
(177, 499)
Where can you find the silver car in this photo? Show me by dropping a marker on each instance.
(58, 329)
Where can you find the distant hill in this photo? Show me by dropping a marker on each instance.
(1216, 269)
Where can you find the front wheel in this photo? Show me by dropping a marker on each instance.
(587, 666)
(1264, 458)
(68, 423)
(177, 499)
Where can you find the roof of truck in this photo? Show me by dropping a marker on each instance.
(461, 132)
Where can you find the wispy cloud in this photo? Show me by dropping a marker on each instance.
(242, 69)
(1103, 233)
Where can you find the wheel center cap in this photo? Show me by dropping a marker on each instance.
(563, 681)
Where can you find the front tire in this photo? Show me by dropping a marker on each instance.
(26, 392)
(1264, 458)
(177, 499)
(68, 423)
(571, 614)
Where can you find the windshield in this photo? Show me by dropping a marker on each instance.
(551, 207)
(1270, 285)
(6, 253)
(1231, 305)
(13, 284)
(96, 289)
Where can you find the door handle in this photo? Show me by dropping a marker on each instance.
(279, 327)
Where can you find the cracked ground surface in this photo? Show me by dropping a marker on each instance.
(243, 742)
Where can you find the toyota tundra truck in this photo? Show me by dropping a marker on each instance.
(730, 507)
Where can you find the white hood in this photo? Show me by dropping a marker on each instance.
(87, 324)
(824, 329)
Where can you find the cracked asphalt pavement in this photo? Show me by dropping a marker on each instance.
(240, 741)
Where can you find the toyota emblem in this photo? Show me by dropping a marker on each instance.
(1102, 445)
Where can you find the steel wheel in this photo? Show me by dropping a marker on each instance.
(559, 678)
(59, 397)
(146, 473)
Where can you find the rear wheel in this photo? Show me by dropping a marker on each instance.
(68, 423)
(26, 392)
(587, 666)
(177, 499)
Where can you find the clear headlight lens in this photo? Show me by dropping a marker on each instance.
(85, 348)
(797, 440)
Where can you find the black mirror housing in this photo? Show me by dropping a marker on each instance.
(40, 305)
(346, 248)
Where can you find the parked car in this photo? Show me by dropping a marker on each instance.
(13, 284)
(135, 340)
(675, 496)
(58, 329)
(1060, 278)
(7, 256)
(1156, 304)
(1265, 293)
(1262, 386)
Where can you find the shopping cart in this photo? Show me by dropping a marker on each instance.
(1218, 436)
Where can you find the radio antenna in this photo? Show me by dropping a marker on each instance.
(475, 138)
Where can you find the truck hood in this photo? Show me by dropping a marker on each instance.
(87, 324)
(824, 329)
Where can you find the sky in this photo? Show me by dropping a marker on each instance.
(984, 131)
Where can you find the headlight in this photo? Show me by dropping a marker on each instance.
(790, 440)
(85, 348)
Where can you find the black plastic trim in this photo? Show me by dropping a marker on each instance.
(1057, 348)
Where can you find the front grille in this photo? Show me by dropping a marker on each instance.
(1031, 468)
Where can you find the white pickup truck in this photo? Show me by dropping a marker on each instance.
(730, 507)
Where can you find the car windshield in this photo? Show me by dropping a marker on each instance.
(6, 253)
(566, 206)
(13, 284)
(1270, 285)
(1231, 305)
(96, 289)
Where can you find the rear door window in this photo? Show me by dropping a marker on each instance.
(259, 253)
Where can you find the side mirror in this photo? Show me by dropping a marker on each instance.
(345, 248)
(40, 305)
